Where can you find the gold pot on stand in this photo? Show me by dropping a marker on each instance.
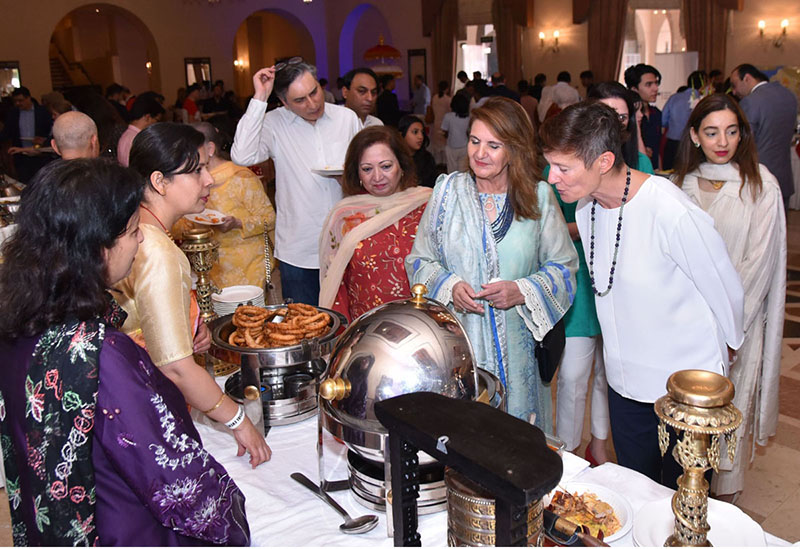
(203, 252)
(698, 403)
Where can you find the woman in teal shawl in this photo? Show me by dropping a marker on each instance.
(492, 245)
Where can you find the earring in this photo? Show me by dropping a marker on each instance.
(696, 144)
(361, 183)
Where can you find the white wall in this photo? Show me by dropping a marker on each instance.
(744, 44)
(572, 52)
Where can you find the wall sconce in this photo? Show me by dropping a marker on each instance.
(238, 64)
(554, 47)
(779, 38)
(149, 67)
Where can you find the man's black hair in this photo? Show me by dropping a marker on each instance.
(348, 78)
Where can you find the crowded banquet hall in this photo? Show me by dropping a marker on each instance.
(427, 273)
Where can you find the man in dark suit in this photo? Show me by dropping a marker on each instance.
(499, 87)
(27, 125)
(772, 112)
(386, 106)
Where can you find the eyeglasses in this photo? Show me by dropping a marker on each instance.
(283, 64)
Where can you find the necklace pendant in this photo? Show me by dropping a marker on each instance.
(717, 184)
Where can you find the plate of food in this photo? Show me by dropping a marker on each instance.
(206, 217)
(329, 171)
(730, 526)
(594, 506)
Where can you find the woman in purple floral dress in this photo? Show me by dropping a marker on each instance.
(98, 446)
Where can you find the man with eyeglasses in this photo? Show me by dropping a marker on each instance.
(360, 91)
(306, 138)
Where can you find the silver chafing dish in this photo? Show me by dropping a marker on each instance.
(398, 348)
(286, 379)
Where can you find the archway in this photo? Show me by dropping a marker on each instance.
(265, 37)
(98, 44)
(362, 28)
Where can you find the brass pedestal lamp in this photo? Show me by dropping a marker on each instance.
(202, 251)
(698, 403)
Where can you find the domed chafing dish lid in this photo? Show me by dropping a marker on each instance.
(398, 348)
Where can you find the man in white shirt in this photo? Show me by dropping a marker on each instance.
(422, 96)
(360, 91)
(667, 295)
(562, 95)
(303, 137)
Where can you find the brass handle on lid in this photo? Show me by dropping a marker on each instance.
(334, 389)
(419, 291)
(251, 392)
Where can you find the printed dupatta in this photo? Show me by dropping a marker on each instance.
(60, 401)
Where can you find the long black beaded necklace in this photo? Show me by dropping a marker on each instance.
(616, 244)
(502, 222)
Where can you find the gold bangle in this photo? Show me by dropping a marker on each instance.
(217, 405)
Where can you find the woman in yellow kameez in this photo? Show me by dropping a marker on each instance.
(239, 194)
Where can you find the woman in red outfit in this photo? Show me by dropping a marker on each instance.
(367, 235)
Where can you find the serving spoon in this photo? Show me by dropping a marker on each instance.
(358, 525)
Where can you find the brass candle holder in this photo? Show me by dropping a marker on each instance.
(698, 403)
(203, 252)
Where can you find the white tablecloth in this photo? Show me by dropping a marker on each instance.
(281, 512)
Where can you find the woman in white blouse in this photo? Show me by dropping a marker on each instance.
(718, 167)
(667, 296)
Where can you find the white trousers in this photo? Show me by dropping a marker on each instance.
(573, 379)
(456, 159)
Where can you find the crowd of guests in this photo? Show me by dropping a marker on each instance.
(548, 212)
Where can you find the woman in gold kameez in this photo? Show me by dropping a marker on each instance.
(162, 314)
(239, 194)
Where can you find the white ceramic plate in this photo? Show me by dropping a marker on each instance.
(621, 505)
(9, 199)
(329, 171)
(238, 294)
(730, 526)
(206, 217)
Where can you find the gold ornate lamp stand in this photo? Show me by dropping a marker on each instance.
(202, 251)
(698, 403)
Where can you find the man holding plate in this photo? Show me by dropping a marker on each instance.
(306, 138)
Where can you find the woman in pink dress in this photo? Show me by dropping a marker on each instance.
(367, 235)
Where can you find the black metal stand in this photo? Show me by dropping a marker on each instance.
(505, 455)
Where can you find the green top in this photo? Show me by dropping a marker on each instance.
(581, 318)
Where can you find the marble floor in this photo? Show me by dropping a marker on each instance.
(772, 483)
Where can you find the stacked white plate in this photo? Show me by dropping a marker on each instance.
(226, 301)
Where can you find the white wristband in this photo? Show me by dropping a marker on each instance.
(237, 420)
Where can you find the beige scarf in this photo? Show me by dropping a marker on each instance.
(352, 220)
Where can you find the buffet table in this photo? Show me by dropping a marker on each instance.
(281, 512)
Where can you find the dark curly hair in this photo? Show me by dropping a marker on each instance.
(166, 147)
(53, 264)
(351, 181)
